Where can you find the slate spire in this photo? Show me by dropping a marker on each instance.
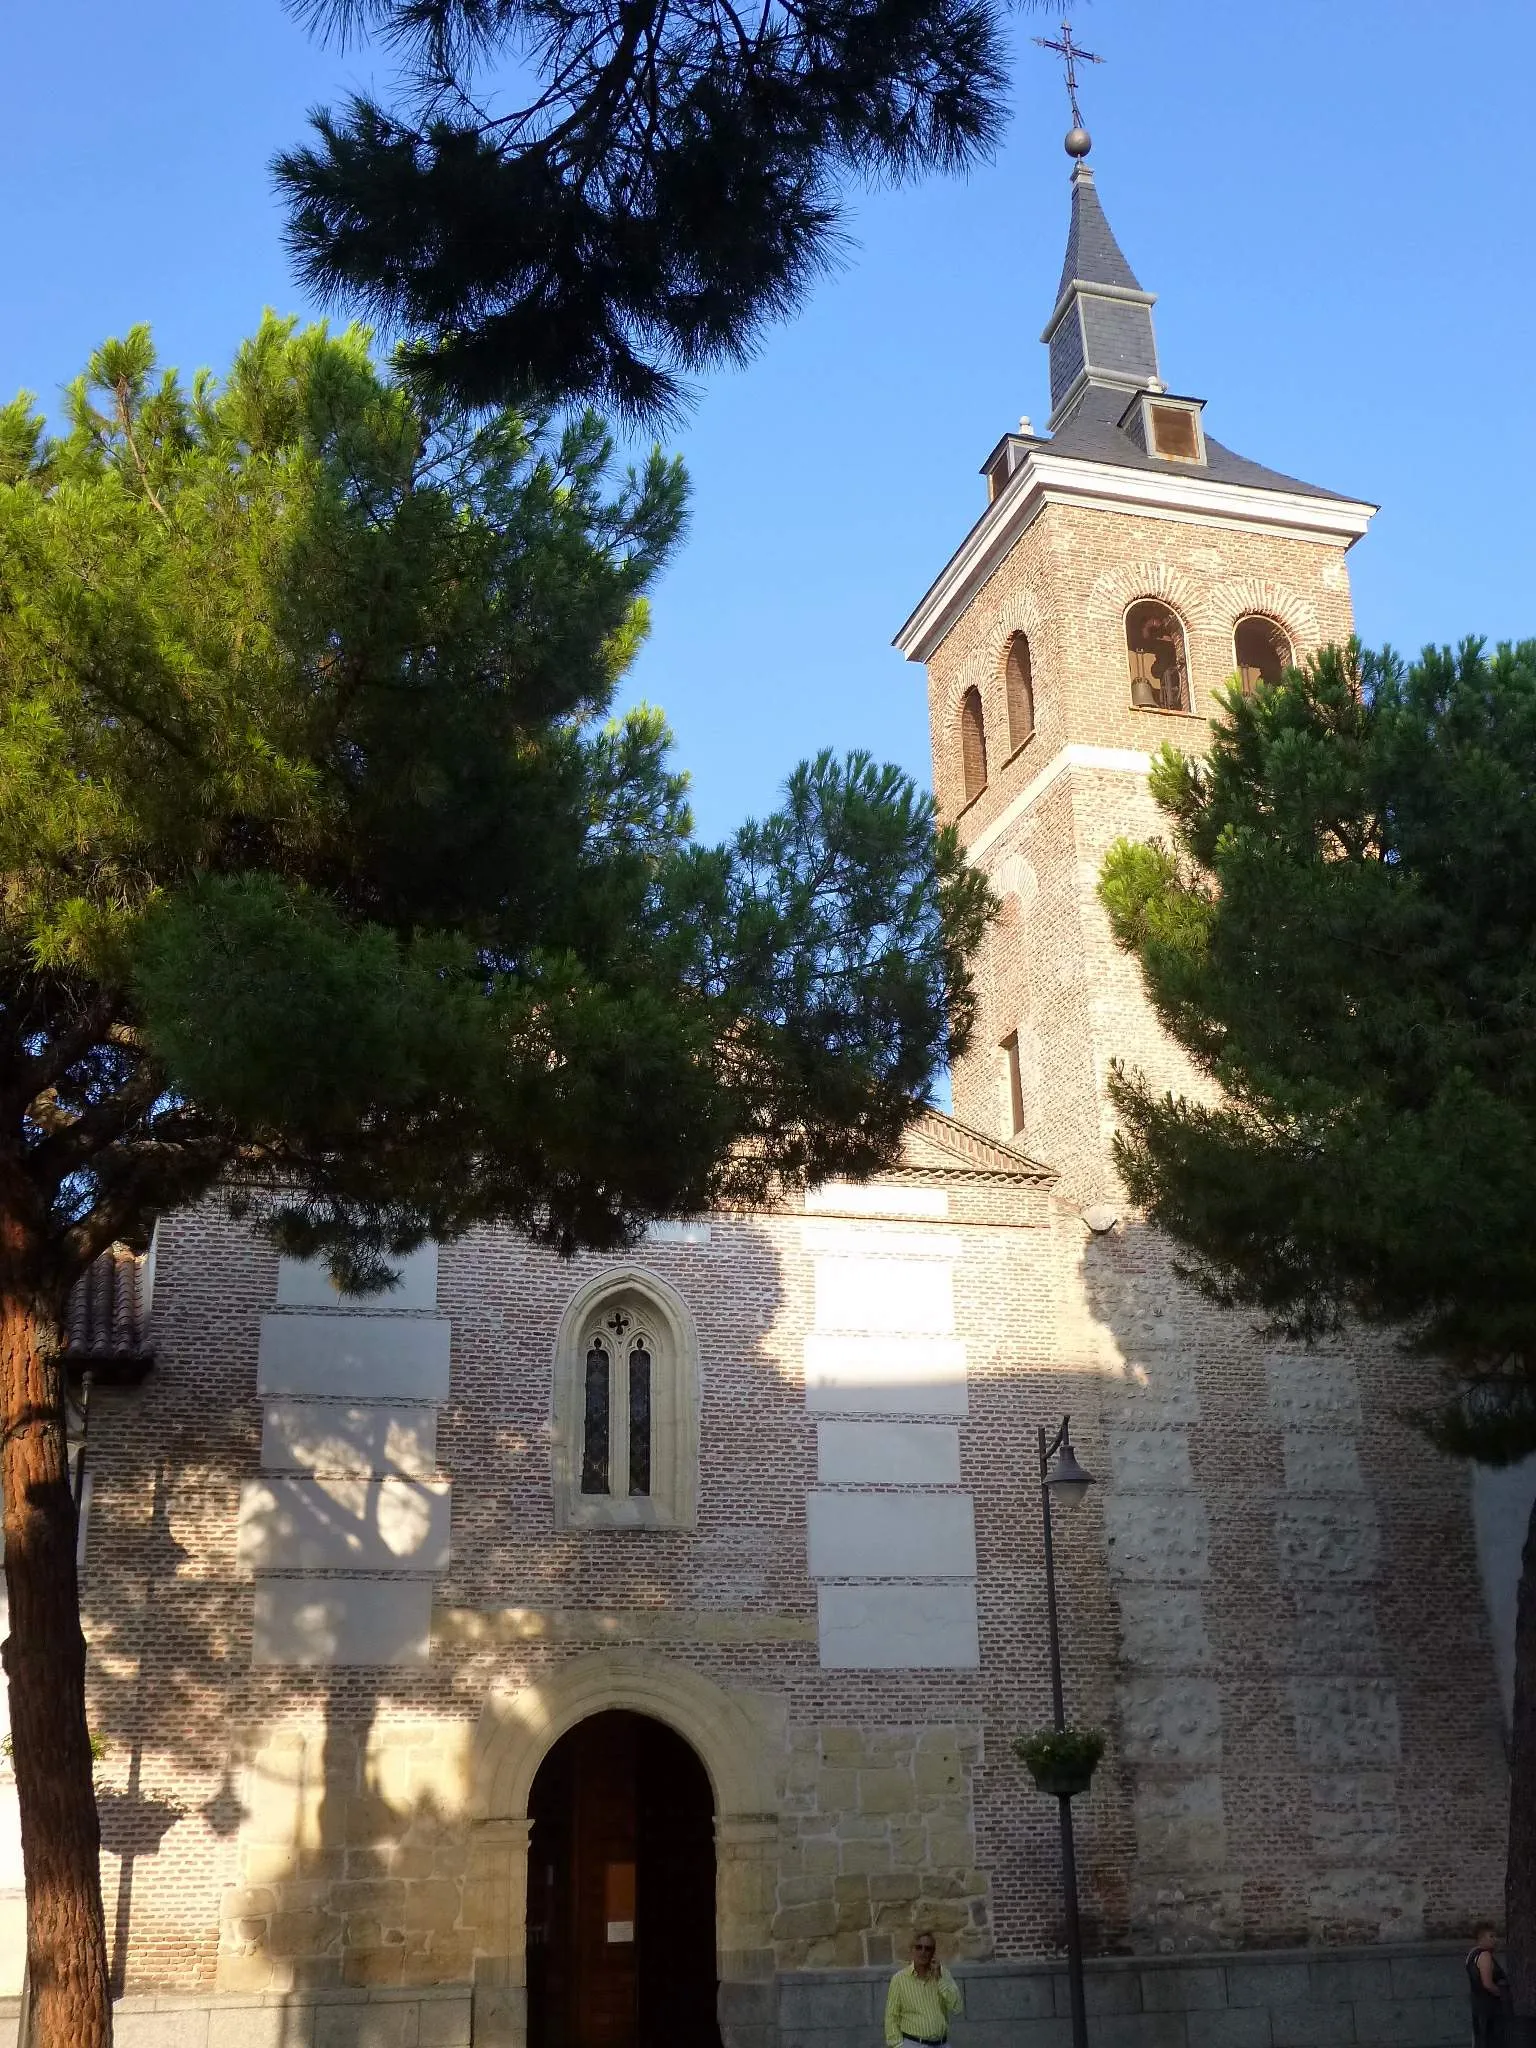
(1101, 329)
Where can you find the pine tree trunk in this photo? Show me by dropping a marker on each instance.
(1520, 1871)
(44, 1659)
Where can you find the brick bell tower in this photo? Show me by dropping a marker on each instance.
(1125, 568)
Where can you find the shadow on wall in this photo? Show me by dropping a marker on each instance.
(1277, 1658)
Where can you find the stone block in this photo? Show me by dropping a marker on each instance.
(1328, 1539)
(307, 1283)
(260, 2026)
(1171, 1720)
(354, 1357)
(348, 1436)
(1272, 1984)
(1346, 1723)
(1312, 2026)
(1309, 1391)
(342, 1621)
(1180, 1824)
(887, 1454)
(890, 1536)
(1412, 2022)
(376, 2024)
(1014, 1996)
(1236, 2027)
(445, 2023)
(1161, 1537)
(1191, 1990)
(806, 2003)
(1105, 1992)
(1318, 1461)
(1379, 1905)
(898, 1628)
(1163, 1626)
(1428, 1976)
(889, 1375)
(186, 2029)
(1149, 1458)
(1140, 2030)
(887, 1791)
(344, 1524)
(1354, 1818)
(1340, 1980)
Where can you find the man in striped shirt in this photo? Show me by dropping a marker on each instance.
(921, 1997)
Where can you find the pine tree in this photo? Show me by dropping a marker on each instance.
(662, 180)
(1342, 933)
(330, 884)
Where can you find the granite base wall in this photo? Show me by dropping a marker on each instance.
(1399, 1997)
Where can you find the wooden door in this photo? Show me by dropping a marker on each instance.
(621, 1881)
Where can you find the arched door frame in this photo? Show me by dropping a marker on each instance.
(734, 1737)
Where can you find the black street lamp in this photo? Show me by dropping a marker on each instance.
(1067, 1480)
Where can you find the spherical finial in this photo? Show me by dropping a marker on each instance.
(1078, 142)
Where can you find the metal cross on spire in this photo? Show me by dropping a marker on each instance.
(1071, 55)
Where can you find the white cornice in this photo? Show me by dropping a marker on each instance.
(1043, 478)
(1116, 760)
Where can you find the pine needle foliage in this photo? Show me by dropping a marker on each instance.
(328, 873)
(580, 199)
(1341, 931)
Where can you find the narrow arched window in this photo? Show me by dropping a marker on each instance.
(626, 1409)
(1262, 650)
(1019, 679)
(1154, 641)
(973, 744)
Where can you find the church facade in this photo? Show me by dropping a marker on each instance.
(576, 1653)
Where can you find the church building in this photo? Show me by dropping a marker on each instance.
(629, 1651)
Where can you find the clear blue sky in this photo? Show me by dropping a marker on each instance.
(1334, 202)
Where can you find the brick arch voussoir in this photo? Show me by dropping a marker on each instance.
(1118, 589)
(1246, 595)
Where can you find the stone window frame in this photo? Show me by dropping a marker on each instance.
(672, 1502)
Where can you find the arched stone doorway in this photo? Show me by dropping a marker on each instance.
(738, 1737)
(621, 1890)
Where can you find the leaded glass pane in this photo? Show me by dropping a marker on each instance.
(594, 1453)
(640, 1420)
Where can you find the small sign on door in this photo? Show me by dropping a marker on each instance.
(619, 1901)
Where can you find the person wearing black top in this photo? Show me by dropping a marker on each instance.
(1485, 1975)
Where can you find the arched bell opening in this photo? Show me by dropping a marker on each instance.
(622, 1890)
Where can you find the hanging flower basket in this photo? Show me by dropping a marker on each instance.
(1061, 1760)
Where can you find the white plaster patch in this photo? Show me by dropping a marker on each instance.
(1501, 1514)
(1328, 1539)
(1171, 1721)
(890, 1536)
(887, 1454)
(1163, 1536)
(342, 1621)
(307, 1283)
(1150, 1457)
(1318, 1461)
(340, 1524)
(337, 1436)
(898, 1628)
(885, 1295)
(666, 1230)
(1163, 1626)
(367, 1357)
(884, 1375)
(1307, 1391)
(876, 1198)
(1346, 1723)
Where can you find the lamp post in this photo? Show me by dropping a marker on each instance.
(1067, 1480)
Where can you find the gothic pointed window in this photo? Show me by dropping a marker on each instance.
(973, 745)
(1019, 682)
(1262, 650)
(626, 1409)
(597, 1418)
(1154, 641)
